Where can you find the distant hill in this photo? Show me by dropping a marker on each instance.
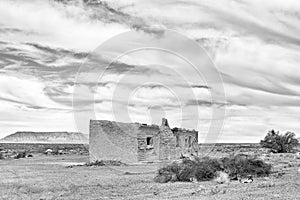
(46, 137)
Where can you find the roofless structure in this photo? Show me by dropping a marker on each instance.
(135, 142)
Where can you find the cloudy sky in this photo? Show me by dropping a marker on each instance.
(254, 44)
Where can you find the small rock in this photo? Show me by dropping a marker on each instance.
(279, 174)
(248, 180)
(266, 184)
(174, 178)
(194, 180)
(215, 190)
(48, 151)
(222, 178)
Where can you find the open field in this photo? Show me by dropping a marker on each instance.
(48, 177)
(211, 149)
(33, 148)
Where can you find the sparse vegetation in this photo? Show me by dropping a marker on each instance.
(205, 169)
(41, 148)
(242, 165)
(20, 155)
(99, 163)
(105, 163)
(279, 143)
(34, 179)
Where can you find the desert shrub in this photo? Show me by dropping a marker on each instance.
(54, 152)
(57, 152)
(279, 143)
(20, 155)
(205, 169)
(242, 165)
(182, 171)
(165, 173)
(105, 163)
(171, 168)
(187, 170)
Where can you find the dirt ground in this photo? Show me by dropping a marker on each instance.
(47, 177)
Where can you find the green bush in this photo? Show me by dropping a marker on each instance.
(279, 143)
(205, 169)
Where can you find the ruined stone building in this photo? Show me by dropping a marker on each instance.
(135, 142)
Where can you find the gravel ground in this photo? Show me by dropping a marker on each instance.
(47, 177)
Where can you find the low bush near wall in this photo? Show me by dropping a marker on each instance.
(105, 163)
(205, 169)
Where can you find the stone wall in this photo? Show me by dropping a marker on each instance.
(147, 152)
(186, 141)
(113, 141)
(167, 142)
(134, 142)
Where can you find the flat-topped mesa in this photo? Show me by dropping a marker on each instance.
(46, 137)
(135, 142)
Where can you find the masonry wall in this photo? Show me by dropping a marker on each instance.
(167, 143)
(147, 152)
(113, 141)
(129, 143)
(186, 142)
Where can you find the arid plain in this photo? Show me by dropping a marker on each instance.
(62, 177)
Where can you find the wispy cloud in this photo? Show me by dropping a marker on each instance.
(254, 44)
